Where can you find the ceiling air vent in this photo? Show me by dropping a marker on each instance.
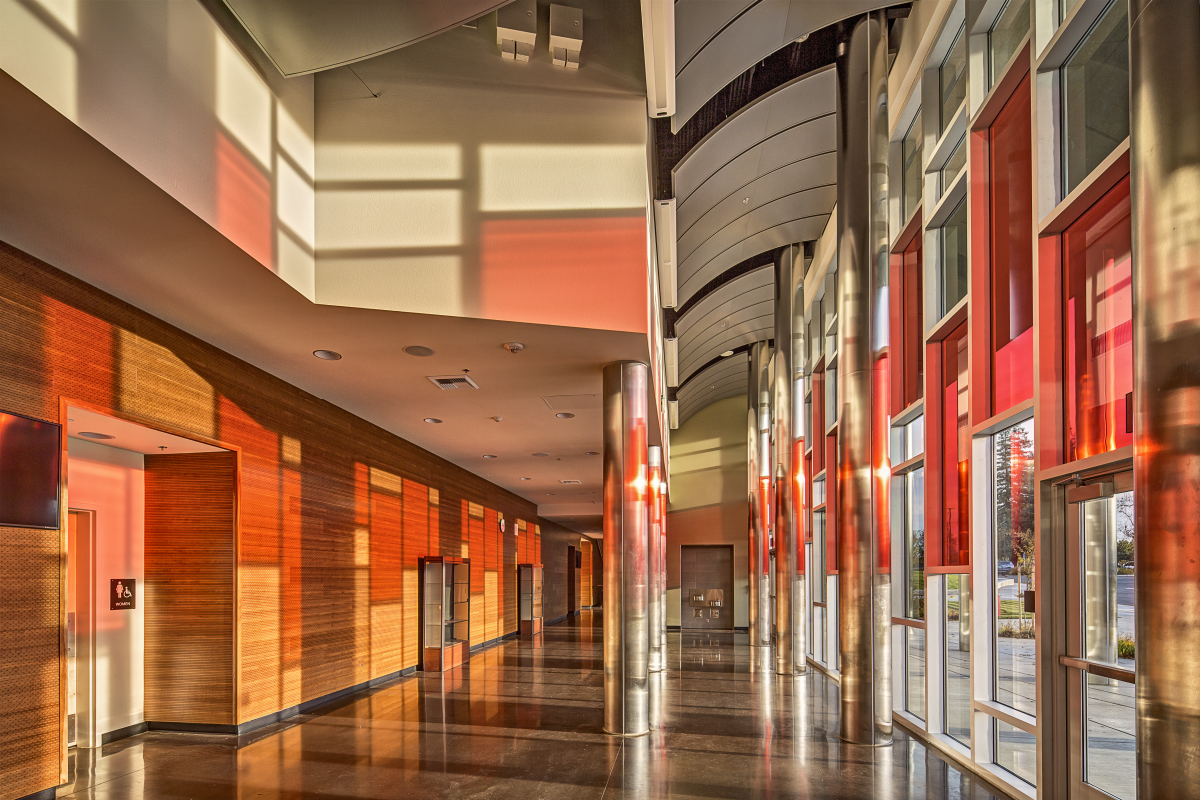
(571, 482)
(453, 382)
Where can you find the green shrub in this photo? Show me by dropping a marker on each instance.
(1009, 631)
(1125, 648)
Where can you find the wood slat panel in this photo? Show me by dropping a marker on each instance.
(314, 617)
(189, 595)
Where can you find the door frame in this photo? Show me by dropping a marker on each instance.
(85, 627)
(729, 603)
(1055, 757)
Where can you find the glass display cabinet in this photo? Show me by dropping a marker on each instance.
(445, 600)
(529, 587)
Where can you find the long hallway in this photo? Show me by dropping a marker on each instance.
(522, 720)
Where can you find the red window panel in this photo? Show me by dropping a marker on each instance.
(907, 328)
(1011, 257)
(1098, 327)
(955, 437)
(831, 506)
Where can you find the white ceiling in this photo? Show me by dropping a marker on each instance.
(129, 435)
(71, 202)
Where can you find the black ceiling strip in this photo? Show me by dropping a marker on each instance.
(738, 270)
(789, 62)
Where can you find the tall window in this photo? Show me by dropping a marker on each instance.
(1014, 647)
(1095, 95)
(952, 78)
(954, 165)
(957, 687)
(1098, 319)
(914, 544)
(953, 236)
(1006, 35)
(956, 452)
(1011, 195)
(911, 150)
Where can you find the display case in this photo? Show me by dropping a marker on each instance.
(445, 600)
(529, 587)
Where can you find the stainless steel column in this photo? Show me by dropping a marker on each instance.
(789, 645)
(758, 416)
(626, 589)
(864, 587)
(1164, 159)
(662, 554)
(654, 552)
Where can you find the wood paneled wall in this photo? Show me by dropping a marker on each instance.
(334, 513)
(189, 595)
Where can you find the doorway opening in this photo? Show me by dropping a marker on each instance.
(706, 581)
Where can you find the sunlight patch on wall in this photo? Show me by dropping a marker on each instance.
(65, 12)
(38, 58)
(295, 202)
(243, 102)
(295, 141)
(385, 218)
(297, 266)
(416, 284)
(377, 161)
(243, 202)
(562, 177)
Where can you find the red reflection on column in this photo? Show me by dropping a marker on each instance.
(243, 202)
(799, 500)
(764, 508)
(1098, 322)
(583, 273)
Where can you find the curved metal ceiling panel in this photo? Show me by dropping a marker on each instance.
(756, 32)
(310, 36)
(737, 313)
(700, 21)
(765, 177)
(726, 378)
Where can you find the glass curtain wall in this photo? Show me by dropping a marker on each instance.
(1014, 646)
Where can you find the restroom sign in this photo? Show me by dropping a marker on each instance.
(122, 594)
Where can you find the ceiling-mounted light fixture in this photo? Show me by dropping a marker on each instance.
(664, 234)
(671, 355)
(565, 415)
(591, 453)
(419, 350)
(566, 36)
(93, 435)
(727, 354)
(526, 479)
(433, 420)
(658, 47)
(328, 355)
(540, 455)
(516, 29)
(490, 456)
(513, 347)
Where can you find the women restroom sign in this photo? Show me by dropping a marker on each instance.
(122, 594)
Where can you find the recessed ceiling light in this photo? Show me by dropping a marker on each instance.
(727, 354)
(591, 453)
(526, 479)
(91, 435)
(433, 420)
(418, 350)
(489, 456)
(549, 494)
(540, 455)
(327, 355)
(565, 415)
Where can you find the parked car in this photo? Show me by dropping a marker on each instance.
(1004, 567)
(1125, 565)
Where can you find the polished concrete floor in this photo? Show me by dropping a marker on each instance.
(522, 720)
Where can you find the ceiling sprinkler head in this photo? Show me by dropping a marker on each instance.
(513, 347)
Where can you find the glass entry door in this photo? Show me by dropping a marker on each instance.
(1101, 639)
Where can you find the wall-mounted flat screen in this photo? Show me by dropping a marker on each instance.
(30, 451)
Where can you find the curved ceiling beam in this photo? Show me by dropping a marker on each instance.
(315, 35)
(737, 313)
(725, 378)
(763, 178)
(715, 42)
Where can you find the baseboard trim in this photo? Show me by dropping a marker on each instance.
(556, 620)
(123, 733)
(279, 716)
(44, 794)
(475, 648)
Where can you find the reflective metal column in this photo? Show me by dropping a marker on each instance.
(626, 587)
(1164, 159)
(654, 553)
(758, 417)
(662, 561)
(789, 643)
(864, 588)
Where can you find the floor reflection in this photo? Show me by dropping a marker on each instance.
(522, 720)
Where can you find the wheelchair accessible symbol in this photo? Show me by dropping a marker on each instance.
(123, 594)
